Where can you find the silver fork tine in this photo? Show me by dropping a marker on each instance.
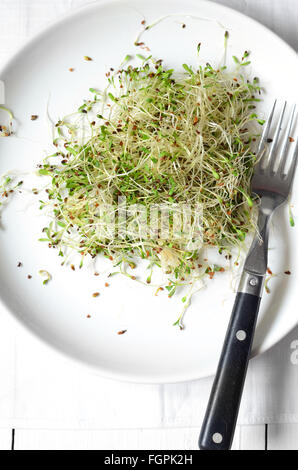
(285, 147)
(266, 131)
(291, 173)
(271, 161)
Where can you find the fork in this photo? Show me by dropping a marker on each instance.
(272, 183)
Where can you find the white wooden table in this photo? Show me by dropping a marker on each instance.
(282, 17)
(273, 437)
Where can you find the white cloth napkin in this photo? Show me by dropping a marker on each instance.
(39, 389)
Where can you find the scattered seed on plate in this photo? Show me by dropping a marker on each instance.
(269, 271)
(122, 332)
(291, 139)
(267, 289)
(71, 69)
(160, 289)
(96, 274)
(88, 316)
(184, 25)
(96, 294)
(29, 276)
(288, 273)
(88, 59)
(20, 265)
(107, 284)
(73, 267)
(46, 276)
(34, 117)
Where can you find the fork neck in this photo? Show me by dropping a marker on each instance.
(253, 277)
(257, 259)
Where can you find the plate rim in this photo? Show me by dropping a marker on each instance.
(35, 332)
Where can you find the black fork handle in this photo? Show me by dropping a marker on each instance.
(222, 412)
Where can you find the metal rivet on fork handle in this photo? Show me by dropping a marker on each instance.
(217, 438)
(254, 282)
(241, 335)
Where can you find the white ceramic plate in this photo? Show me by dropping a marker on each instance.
(152, 350)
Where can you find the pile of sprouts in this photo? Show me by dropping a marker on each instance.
(156, 137)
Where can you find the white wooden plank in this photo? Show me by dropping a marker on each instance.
(236, 441)
(153, 439)
(7, 368)
(106, 440)
(283, 437)
(5, 439)
(252, 437)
